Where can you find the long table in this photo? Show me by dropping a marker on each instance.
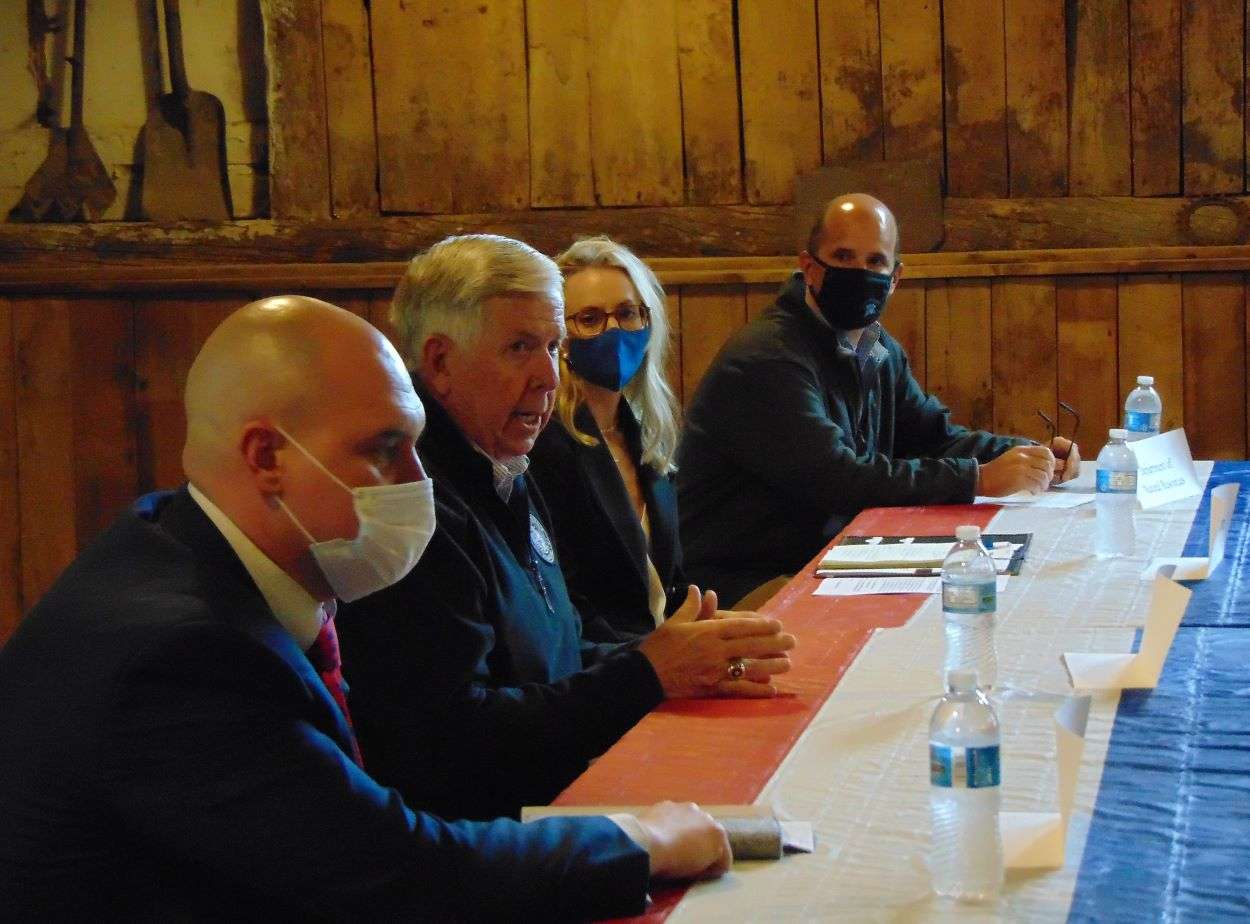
(1161, 829)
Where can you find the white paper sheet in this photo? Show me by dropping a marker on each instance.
(1048, 500)
(1223, 500)
(916, 554)
(1165, 469)
(865, 586)
(1138, 671)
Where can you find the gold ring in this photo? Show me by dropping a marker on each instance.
(737, 668)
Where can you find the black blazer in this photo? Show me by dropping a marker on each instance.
(168, 753)
(602, 546)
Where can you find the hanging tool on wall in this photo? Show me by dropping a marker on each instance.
(184, 144)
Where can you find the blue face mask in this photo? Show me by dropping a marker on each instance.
(610, 360)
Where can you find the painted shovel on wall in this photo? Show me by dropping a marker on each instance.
(184, 145)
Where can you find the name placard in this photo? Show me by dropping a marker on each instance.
(1165, 469)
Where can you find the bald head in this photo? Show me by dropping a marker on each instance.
(854, 214)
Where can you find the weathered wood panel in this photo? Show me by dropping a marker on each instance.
(349, 104)
(1037, 96)
(1088, 324)
(1215, 365)
(1151, 341)
(1212, 43)
(451, 131)
(1024, 340)
(1100, 158)
(760, 297)
(711, 135)
(850, 80)
(1156, 97)
(635, 137)
(559, 104)
(911, 78)
(780, 95)
(958, 343)
(905, 320)
(10, 503)
(709, 315)
(976, 103)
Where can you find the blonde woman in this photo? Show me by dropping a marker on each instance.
(605, 462)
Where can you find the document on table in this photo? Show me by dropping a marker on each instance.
(1049, 500)
(899, 584)
(901, 555)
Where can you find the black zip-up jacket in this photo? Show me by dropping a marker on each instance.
(787, 438)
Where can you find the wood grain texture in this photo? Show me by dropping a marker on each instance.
(711, 134)
(850, 80)
(635, 137)
(1024, 341)
(1150, 341)
(780, 95)
(976, 99)
(349, 106)
(1215, 365)
(1156, 97)
(10, 503)
(452, 129)
(299, 154)
(1037, 96)
(911, 78)
(1213, 56)
(559, 104)
(1088, 326)
(1100, 156)
(958, 343)
(761, 297)
(709, 315)
(904, 318)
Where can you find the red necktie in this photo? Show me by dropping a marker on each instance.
(324, 656)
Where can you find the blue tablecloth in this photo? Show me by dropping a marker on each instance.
(1170, 836)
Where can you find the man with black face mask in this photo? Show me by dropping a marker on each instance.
(811, 414)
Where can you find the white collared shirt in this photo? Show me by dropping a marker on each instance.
(296, 609)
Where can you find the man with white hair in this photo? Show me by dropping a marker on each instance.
(474, 691)
(174, 733)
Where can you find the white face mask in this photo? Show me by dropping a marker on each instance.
(396, 523)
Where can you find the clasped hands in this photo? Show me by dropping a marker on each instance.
(1030, 468)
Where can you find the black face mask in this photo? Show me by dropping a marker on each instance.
(851, 298)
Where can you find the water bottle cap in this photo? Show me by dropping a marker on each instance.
(961, 681)
(1145, 380)
(968, 533)
(1117, 433)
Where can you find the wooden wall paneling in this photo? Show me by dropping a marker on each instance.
(299, 155)
(1037, 96)
(168, 335)
(635, 136)
(672, 370)
(911, 78)
(976, 99)
(1156, 97)
(75, 427)
(451, 105)
(780, 95)
(709, 315)
(1151, 342)
(1024, 347)
(1215, 364)
(1088, 325)
(711, 133)
(850, 80)
(1213, 62)
(1099, 154)
(349, 105)
(559, 104)
(904, 318)
(958, 367)
(760, 297)
(10, 502)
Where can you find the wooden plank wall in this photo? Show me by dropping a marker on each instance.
(91, 386)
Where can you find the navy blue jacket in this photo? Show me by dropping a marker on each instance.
(168, 752)
(473, 691)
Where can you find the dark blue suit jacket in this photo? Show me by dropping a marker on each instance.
(167, 751)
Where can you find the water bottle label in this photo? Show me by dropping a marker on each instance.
(1110, 482)
(964, 768)
(970, 599)
(1141, 422)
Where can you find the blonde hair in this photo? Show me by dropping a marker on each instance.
(648, 392)
(443, 288)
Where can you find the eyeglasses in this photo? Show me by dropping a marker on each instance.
(591, 322)
(1053, 427)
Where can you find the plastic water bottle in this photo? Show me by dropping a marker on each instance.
(1143, 410)
(969, 601)
(1116, 498)
(964, 785)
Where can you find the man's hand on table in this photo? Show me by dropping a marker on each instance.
(684, 842)
(1067, 459)
(694, 652)
(1020, 468)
